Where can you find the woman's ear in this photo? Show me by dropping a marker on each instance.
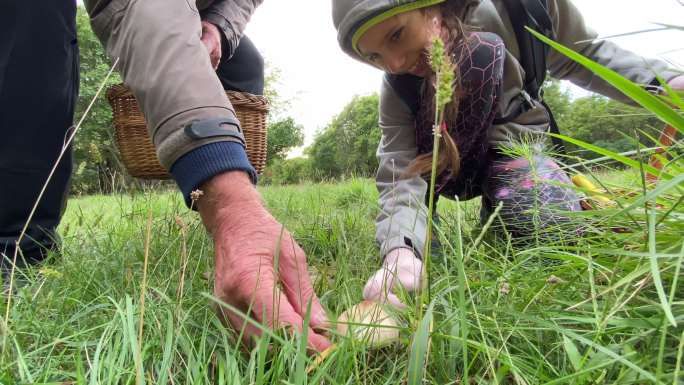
(433, 19)
(433, 15)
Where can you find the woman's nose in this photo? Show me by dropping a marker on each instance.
(395, 64)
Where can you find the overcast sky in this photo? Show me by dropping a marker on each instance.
(298, 38)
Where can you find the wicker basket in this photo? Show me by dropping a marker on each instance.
(136, 148)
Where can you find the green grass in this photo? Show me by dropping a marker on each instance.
(579, 313)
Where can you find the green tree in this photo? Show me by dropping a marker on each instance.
(349, 142)
(276, 103)
(283, 135)
(609, 124)
(95, 156)
(599, 120)
(287, 171)
(558, 99)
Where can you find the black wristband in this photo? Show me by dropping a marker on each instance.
(210, 128)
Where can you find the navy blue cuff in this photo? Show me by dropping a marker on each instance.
(203, 163)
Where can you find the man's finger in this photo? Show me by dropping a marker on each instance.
(285, 316)
(240, 325)
(213, 47)
(317, 341)
(296, 281)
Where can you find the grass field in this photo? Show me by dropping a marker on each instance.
(582, 312)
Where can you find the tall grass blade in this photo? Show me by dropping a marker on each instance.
(670, 26)
(460, 264)
(615, 156)
(300, 366)
(80, 372)
(136, 350)
(24, 372)
(655, 269)
(420, 348)
(573, 353)
(678, 366)
(165, 366)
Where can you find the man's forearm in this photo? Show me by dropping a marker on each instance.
(225, 196)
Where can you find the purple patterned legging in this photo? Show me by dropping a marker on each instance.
(535, 192)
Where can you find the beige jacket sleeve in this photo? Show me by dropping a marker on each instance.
(161, 58)
(231, 16)
(402, 218)
(571, 31)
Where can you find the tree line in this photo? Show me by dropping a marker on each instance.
(346, 146)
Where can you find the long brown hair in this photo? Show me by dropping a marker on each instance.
(449, 157)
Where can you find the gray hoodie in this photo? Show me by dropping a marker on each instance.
(402, 220)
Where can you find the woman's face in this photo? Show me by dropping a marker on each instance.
(399, 45)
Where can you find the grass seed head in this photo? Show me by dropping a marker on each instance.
(195, 195)
(441, 64)
(505, 288)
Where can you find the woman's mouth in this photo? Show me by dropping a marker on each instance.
(419, 68)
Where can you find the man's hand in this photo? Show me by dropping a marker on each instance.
(400, 270)
(211, 37)
(247, 239)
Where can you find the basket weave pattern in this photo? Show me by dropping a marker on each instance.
(135, 145)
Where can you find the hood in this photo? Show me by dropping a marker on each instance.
(352, 18)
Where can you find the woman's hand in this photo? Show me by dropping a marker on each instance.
(401, 270)
(677, 83)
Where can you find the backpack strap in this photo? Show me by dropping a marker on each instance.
(535, 14)
(532, 13)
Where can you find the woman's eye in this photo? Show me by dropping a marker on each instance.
(373, 57)
(397, 34)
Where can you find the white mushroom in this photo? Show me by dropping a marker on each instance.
(369, 323)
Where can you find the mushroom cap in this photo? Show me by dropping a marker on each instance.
(369, 323)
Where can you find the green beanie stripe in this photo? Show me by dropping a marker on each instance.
(386, 15)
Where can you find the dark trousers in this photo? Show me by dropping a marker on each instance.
(38, 91)
(244, 71)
